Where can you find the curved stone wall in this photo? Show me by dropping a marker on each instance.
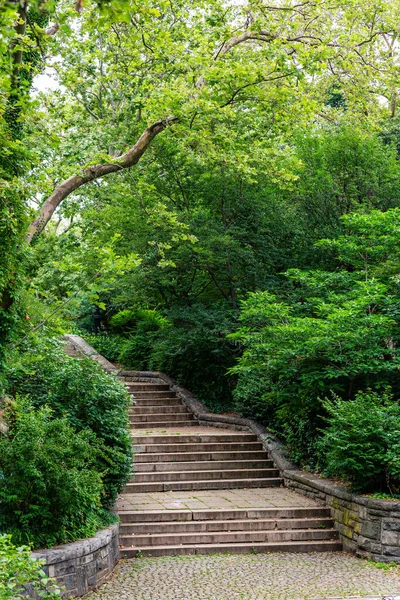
(84, 565)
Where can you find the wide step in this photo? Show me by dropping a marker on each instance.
(154, 410)
(161, 417)
(206, 475)
(225, 537)
(183, 448)
(194, 439)
(144, 516)
(205, 465)
(243, 548)
(147, 387)
(173, 527)
(144, 394)
(176, 457)
(157, 402)
(218, 484)
(164, 424)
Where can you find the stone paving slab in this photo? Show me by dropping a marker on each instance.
(277, 576)
(209, 499)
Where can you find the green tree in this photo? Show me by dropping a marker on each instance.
(332, 332)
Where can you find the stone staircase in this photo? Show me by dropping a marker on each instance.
(173, 454)
(156, 405)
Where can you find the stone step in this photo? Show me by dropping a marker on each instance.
(175, 457)
(208, 475)
(205, 484)
(147, 387)
(242, 548)
(223, 514)
(158, 402)
(173, 527)
(143, 379)
(189, 438)
(226, 537)
(160, 417)
(155, 410)
(144, 395)
(204, 465)
(201, 447)
(164, 424)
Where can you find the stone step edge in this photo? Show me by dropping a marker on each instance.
(219, 522)
(216, 464)
(182, 438)
(328, 532)
(245, 548)
(230, 513)
(265, 471)
(221, 484)
(164, 424)
(207, 456)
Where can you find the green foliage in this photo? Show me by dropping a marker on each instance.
(50, 489)
(123, 321)
(333, 331)
(136, 351)
(90, 398)
(18, 569)
(190, 346)
(361, 442)
(106, 344)
(195, 351)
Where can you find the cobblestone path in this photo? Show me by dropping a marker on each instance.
(277, 576)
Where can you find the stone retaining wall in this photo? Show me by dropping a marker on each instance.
(84, 565)
(367, 527)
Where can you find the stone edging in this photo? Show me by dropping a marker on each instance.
(83, 565)
(367, 527)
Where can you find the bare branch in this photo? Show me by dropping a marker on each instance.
(91, 173)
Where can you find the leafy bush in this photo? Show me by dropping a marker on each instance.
(89, 397)
(18, 569)
(123, 321)
(197, 353)
(140, 320)
(135, 351)
(329, 332)
(190, 346)
(362, 441)
(107, 344)
(50, 489)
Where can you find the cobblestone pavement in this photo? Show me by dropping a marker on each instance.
(277, 576)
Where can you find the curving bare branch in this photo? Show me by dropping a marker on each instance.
(91, 173)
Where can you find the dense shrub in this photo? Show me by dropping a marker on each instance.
(136, 351)
(17, 569)
(106, 344)
(196, 352)
(330, 332)
(362, 441)
(89, 397)
(50, 489)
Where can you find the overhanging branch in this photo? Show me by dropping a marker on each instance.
(91, 173)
